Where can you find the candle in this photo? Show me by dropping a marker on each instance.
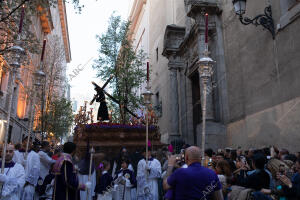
(22, 18)
(206, 28)
(147, 71)
(43, 50)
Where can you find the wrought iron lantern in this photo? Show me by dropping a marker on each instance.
(265, 20)
(239, 6)
(205, 68)
(147, 97)
(15, 56)
(39, 75)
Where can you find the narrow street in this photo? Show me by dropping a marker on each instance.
(149, 100)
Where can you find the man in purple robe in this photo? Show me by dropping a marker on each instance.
(66, 184)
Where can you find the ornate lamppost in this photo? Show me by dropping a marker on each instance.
(38, 77)
(92, 152)
(15, 53)
(205, 71)
(15, 56)
(147, 101)
(265, 20)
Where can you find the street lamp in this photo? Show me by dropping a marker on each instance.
(38, 76)
(92, 152)
(264, 20)
(15, 55)
(147, 101)
(239, 6)
(147, 96)
(205, 71)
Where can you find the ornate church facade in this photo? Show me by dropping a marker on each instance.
(253, 95)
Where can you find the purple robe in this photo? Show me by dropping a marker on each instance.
(66, 184)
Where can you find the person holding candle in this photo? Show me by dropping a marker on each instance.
(13, 178)
(148, 174)
(124, 189)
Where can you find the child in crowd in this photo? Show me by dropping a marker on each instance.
(105, 180)
(125, 181)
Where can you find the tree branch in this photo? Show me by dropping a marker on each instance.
(13, 10)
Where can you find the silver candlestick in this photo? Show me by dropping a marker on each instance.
(38, 76)
(206, 71)
(147, 101)
(15, 54)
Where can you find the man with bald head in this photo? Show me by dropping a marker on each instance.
(194, 182)
(13, 178)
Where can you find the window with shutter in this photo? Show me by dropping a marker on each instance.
(290, 11)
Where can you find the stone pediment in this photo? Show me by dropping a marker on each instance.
(174, 36)
(195, 7)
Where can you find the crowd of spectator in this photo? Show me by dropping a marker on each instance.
(170, 173)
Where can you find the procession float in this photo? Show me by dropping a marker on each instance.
(107, 137)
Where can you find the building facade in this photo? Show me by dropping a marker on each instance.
(253, 96)
(47, 26)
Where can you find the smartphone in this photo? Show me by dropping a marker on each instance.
(281, 169)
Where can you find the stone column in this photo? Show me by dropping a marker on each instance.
(173, 102)
(174, 35)
(221, 72)
(180, 118)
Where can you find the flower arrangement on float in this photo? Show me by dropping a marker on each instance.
(109, 125)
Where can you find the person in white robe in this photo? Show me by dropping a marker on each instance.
(45, 160)
(13, 178)
(18, 155)
(124, 187)
(32, 172)
(147, 178)
(83, 175)
(85, 178)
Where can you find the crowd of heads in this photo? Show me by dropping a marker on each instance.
(254, 158)
(36, 146)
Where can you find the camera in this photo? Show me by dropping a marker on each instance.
(180, 160)
(210, 162)
(281, 169)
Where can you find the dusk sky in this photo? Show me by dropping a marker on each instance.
(83, 29)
